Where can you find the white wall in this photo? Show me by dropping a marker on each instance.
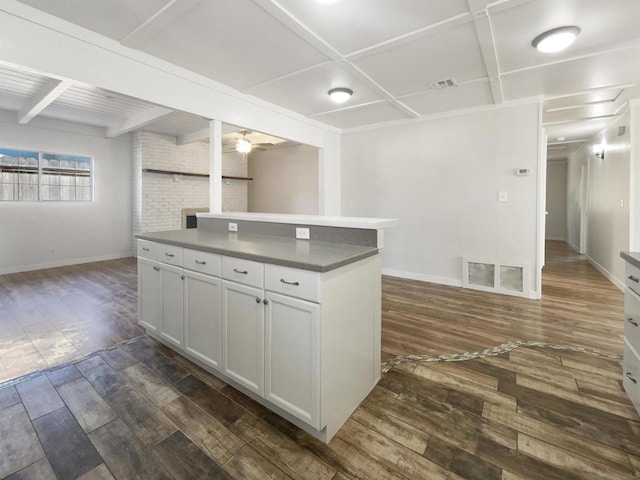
(441, 179)
(44, 234)
(556, 219)
(577, 159)
(285, 180)
(608, 219)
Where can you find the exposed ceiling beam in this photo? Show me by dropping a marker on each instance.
(198, 136)
(42, 99)
(484, 33)
(138, 121)
(158, 22)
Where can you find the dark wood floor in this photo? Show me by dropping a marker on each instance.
(48, 317)
(141, 411)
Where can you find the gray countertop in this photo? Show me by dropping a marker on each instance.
(288, 252)
(632, 257)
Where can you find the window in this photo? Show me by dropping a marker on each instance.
(31, 176)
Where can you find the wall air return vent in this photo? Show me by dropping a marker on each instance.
(440, 84)
(510, 278)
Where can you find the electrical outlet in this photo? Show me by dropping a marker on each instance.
(502, 196)
(302, 233)
(233, 227)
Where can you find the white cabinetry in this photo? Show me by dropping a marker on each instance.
(631, 351)
(243, 335)
(292, 356)
(303, 343)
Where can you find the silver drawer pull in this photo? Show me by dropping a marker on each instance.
(242, 272)
(157, 269)
(200, 263)
(265, 301)
(630, 377)
(632, 322)
(633, 279)
(146, 249)
(258, 300)
(295, 284)
(170, 255)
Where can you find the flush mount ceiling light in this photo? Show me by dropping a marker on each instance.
(243, 145)
(556, 39)
(340, 95)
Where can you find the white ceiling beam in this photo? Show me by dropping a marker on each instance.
(42, 99)
(192, 137)
(484, 33)
(139, 120)
(158, 22)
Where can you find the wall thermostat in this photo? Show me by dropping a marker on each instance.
(523, 172)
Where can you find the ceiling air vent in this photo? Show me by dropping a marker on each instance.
(440, 84)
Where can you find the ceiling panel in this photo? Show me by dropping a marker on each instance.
(408, 68)
(77, 115)
(588, 111)
(307, 92)
(178, 123)
(579, 130)
(19, 83)
(94, 99)
(352, 25)
(239, 46)
(453, 98)
(365, 115)
(614, 68)
(113, 18)
(595, 96)
(516, 24)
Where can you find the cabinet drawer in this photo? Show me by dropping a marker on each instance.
(203, 262)
(631, 375)
(632, 277)
(243, 271)
(293, 282)
(170, 254)
(147, 249)
(632, 319)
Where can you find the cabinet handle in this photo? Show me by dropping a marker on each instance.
(181, 277)
(145, 249)
(243, 272)
(295, 284)
(630, 377)
(200, 263)
(170, 255)
(633, 279)
(157, 269)
(265, 301)
(632, 322)
(258, 300)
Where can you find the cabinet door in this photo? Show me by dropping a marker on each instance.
(171, 303)
(202, 324)
(148, 294)
(243, 335)
(292, 357)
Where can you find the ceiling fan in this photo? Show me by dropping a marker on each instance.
(243, 144)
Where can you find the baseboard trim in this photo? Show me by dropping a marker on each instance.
(63, 263)
(556, 239)
(574, 247)
(453, 282)
(606, 273)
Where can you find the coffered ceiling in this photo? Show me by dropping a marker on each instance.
(291, 52)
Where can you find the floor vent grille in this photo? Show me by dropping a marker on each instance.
(510, 278)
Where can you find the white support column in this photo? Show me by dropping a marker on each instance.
(634, 170)
(215, 166)
(329, 175)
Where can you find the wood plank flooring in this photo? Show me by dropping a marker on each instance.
(52, 316)
(142, 411)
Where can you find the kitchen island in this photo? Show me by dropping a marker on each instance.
(292, 323)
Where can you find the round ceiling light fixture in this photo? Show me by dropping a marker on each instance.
(341, 94)
(556, 39)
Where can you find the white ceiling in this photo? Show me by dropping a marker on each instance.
(291, 52)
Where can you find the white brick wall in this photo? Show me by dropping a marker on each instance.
(159, 198)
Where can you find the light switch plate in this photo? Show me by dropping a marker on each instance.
(302, 233)
(233, 227)
(502, 196)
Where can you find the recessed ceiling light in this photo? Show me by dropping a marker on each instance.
(555, 39)
(327, 2)
(561, 139)
(341, 94)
